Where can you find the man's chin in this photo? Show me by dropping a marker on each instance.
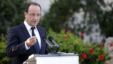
(34, 25)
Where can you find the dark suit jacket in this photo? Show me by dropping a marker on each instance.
(16, 47)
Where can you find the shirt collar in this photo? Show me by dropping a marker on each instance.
(27, 25)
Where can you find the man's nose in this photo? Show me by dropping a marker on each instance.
(35, 17)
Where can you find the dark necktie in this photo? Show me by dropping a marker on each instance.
(37, 48)
(32, 28)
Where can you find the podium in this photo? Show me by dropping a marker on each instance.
(65, 58)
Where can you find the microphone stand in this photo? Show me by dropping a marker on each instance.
(53, 48)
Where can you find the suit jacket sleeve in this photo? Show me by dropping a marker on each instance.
(15, 48)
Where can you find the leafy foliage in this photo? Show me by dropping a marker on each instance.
(62, 10)
(11, 13)
(106, 22)
(59, 12)
(3, 58)
(89, 53)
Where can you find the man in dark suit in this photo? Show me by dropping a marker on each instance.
(27, 38)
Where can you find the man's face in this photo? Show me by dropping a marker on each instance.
(33, 15)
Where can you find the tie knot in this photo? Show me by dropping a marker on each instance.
(32, 28)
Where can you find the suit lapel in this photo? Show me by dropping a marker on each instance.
(24, 30)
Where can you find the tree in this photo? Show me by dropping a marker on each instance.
(11, 13)
(59, 13)
(62, 10)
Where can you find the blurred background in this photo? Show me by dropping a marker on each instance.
(79, 26)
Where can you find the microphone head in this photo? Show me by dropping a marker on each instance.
(50, 38)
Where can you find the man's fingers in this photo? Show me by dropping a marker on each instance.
(31, 41)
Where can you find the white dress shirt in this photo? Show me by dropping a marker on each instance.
(28, 27)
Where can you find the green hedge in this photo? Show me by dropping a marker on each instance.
(3, 58)
(89, 53)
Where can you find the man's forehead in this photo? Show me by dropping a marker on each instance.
(33, 8)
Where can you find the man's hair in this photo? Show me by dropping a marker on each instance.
(31, 3)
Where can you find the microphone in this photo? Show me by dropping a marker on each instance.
(48, 43)
(51, 39)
